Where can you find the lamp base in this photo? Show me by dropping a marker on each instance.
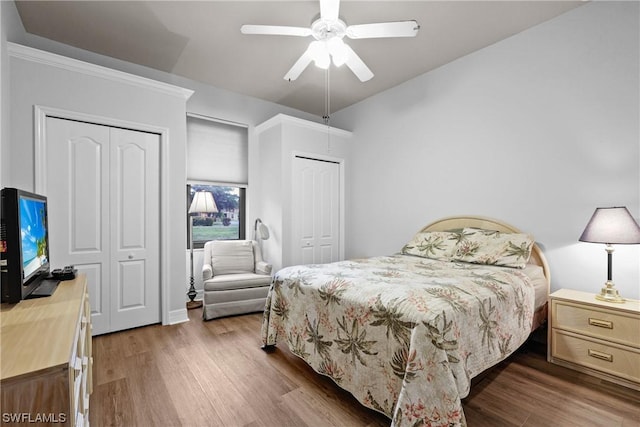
(609, 294)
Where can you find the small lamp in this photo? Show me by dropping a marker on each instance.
(202, 203)
(611, 226)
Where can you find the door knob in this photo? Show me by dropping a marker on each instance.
(130, 256)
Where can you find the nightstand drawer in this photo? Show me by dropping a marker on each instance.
(615, 327)
(595, 354)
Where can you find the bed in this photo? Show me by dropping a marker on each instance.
(406, 333)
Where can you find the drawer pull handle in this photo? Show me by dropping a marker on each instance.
(600, 355)
(600, 323)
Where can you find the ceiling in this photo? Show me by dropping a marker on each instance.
(201, 40)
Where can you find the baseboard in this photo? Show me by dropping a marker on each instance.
(178, 316)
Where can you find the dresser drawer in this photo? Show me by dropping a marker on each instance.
(595, 354)
(621, 328)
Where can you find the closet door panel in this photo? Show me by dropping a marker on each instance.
(316, 208)
(78, 195)
(327, 226)
(86, 192)
(304, 185)
(135, 204)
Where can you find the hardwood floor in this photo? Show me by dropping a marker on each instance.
(215, 374)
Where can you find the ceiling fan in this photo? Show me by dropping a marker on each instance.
(328, 31)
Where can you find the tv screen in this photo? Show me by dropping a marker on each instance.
(33, 235)
(24, 251)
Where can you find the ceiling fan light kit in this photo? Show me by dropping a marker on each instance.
(329, 32)
(320, 54)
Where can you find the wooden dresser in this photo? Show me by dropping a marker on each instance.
(46, 361)
(596, 337)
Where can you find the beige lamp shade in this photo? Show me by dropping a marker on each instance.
(611, 225)
(203, 203)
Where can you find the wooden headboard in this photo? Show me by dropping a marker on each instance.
(455, 222)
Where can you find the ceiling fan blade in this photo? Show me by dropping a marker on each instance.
(383, 29)
(275, 30)
(358, 66)
(299, 66)
(329, 10)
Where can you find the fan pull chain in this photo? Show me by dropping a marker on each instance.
(327, 107)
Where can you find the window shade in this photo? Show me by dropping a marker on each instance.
(216, 152)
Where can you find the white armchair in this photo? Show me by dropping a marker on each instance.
(236, 278)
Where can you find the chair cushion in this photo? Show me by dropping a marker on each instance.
(232, 257)
(236, 281)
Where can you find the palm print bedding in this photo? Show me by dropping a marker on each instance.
(403, 334)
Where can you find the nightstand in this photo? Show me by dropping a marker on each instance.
(595, 337)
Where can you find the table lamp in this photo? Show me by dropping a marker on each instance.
(613, 225)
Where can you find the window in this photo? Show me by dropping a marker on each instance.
(217, 162)
(226, 224)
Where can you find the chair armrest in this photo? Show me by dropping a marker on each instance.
(207, 272)
(263, 267)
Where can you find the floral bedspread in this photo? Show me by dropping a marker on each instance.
(403, 334)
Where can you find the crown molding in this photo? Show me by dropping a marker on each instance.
(286, 119)
(47, 58)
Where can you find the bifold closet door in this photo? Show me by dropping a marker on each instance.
(316, 211)
(103, 191)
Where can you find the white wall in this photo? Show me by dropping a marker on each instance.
(8, 25)
(537, 130)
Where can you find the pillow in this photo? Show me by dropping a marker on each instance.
(440, 245)
(493, 247)
(232, 257)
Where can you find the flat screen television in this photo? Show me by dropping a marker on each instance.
(25, 244)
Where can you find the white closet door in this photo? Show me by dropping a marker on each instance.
(97, 179)
(316, 211)
(135, 228)
(77, 165)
